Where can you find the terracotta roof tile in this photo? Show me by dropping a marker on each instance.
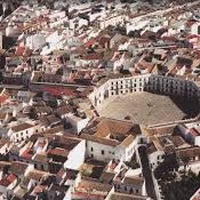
(93, 56)
(93, 186)
(3, 99)
(58, 152)
(21, 127)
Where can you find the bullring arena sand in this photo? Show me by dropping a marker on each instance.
(143, 108)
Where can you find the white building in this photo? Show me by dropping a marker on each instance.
(20, 132)
(76, 156)
(110, 139)
(12, 30)
(151, 83)
(76, 122)
(74, 42)
(156, 158)
(110, 21)
(36, 41)
(136, 24)
(195, 29)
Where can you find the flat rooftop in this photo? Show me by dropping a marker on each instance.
(143, 108)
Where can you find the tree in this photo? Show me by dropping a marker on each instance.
(185, 161)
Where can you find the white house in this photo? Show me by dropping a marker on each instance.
(7, 184)
(77, 122)
(12, 30)
(110, 20)
(110, 139)
(195, 29)
(74, 42)
(36, 41)
(136, 24)
(156, 157)
(53, 43)
(20, 132)
(76, 156)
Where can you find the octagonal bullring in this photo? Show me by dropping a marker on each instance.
(147, 99)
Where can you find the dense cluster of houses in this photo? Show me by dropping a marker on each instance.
(58, 63)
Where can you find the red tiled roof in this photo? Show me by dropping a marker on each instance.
(27, 153)
(58, 91)
(103, 39)
(20, 51)
(58, 152)
(3, 98)
(169, 38)
(90, 43)
(87, 196)
(93, 56)
(189, 23)
(4, 182)
(39, 188)
(21, 127)
(194, 132)
(191, 36)
(11, 178)
(113, 165)
(7, 181)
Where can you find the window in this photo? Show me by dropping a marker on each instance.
(131, 191)
(91, 148)
(102, 152)
(198, 30)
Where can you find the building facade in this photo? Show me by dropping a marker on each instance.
(151, 83)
